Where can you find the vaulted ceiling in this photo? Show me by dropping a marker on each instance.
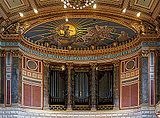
(52, 9)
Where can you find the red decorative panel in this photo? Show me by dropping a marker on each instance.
(126, 96)
(24, 62)
(39, 66)
(27, 95)
(8, 92)
(122, 67)
(130, 95)
(152, 92)
(36, 93)
(134, 94)
(137, 62)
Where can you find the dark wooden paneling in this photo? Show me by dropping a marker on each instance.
(134, 94)
(130, 95)
(27, 95)
(126, 96)
(36, 96)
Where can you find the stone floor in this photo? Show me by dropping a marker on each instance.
(14, 112)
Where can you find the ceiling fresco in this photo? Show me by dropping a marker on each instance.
(12, 6)
(80, 32)
(144, 5)
(14, 3)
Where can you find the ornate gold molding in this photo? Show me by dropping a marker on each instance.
(144, 53)
(46, 64)
(93, 65)
(69, 65)
(2, 53)
(116, 63)
(157, 52)
(17, 53)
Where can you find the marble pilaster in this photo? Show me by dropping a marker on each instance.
(144, 79)
(46, 85)
(157, 76)
(116, 84)
(69, 87)
(93, 86)
(2, 79)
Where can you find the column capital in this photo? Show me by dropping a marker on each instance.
(93, 65)
(17, 53)
(46, 63)
(69, 65)
(157, 52)
(116, 63)
(2, 53)
(144, 53)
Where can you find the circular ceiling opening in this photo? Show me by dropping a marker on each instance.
(80, 33)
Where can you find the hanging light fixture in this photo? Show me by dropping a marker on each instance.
(78, 4)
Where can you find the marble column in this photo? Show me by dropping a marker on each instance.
(144, 80)
(157, 76)
(116, 84)
(69, 87)
(15, 75)
(2, 79)
(93, 86)
(45, 85)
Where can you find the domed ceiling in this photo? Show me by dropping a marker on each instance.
(80, 32)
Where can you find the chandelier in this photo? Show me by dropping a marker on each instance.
(78, 4)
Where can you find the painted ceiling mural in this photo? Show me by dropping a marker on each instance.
(80, 32)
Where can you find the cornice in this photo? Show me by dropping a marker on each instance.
(88, 55)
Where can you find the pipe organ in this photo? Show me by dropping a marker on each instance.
(57, 87)
(105, 87)
(81, 86)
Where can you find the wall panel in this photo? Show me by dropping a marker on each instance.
(27, 95)
(36, 96)
(134, 94)
(129, 83)
(32, 89)
(126, 96)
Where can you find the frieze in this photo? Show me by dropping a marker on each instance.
(89, 57)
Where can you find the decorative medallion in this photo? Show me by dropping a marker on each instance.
(130, 65)
(32, 65)
(80, 33)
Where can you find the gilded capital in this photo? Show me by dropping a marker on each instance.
(116, 63)
(2, 53)
(157, 52)
(93, 65)
(14, 53)
(145, 53)
(46, 64)
(69, 65)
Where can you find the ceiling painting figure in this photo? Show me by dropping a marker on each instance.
(80, 33)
